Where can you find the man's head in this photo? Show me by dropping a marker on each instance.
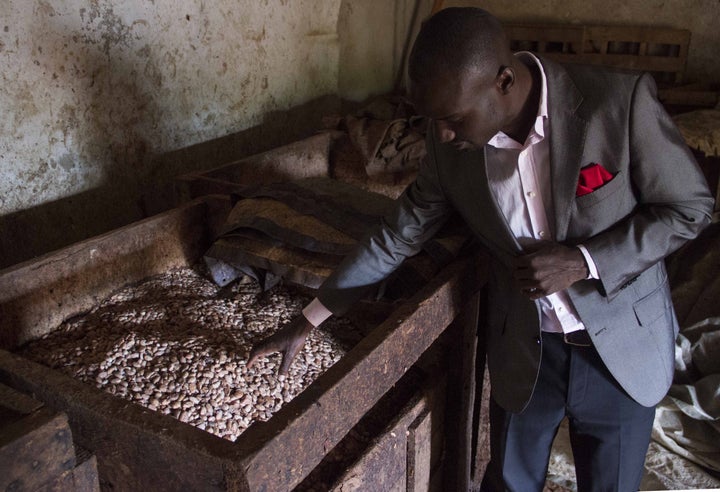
(464, 76)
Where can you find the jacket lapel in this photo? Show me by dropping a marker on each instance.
(567, 139)
(478, 205)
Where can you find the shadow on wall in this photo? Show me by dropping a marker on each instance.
(140, 185)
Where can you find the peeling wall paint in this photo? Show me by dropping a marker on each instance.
(92, 89)
(367, 38)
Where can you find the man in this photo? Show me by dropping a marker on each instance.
(578, 184)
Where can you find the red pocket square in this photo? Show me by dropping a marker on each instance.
(592, 177)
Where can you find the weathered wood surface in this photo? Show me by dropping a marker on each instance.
(34, 450)
(302, 159)
(461, 398)
(15, 405)
(38, 295)
(419, 453)
(136, 448)
(317, 419)
(140, 449)
(594, 45)
(401, 454)
(383, 465)
(82, 478)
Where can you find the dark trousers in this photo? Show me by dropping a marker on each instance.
(609, 431)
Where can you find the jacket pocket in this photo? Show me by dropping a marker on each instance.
(652, 306)
(600, 194)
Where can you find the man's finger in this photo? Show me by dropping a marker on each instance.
(257, 352)
(287, 360)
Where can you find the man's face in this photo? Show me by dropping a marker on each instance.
(467, 110)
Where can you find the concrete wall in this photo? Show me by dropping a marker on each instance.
(104, 101)
(98, 97)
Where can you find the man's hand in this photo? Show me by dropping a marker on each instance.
(550, 268)
(288, 340)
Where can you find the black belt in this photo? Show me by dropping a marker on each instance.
(580, 338)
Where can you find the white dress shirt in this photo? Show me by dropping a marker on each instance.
(519, 176)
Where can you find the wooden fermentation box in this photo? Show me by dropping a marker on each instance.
(306, 158)
(138, 449)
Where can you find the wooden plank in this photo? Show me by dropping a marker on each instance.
(683, 54)
(13, 401)
(301, 159)
(136, 448)
(82, 478)
(461, 398)
(680, 96)
(419, 453)
(545, 33)
(191, 186)
(590, 44)
(384, 465)
(319, 417)
(37, 295)
(637, 34)
(630, 62)
(35, 450)
(85, 475)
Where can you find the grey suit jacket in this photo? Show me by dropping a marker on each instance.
(657, 200)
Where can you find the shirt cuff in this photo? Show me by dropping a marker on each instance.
(316, 313)
(590, 263)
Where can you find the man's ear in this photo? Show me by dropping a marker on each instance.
(505, 79)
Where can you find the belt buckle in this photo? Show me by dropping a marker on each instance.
(579, 338)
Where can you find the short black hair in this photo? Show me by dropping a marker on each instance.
(455, 40)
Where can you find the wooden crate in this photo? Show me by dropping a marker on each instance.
(661, 51)
(307, 158)
(36, 448)
(137, 448)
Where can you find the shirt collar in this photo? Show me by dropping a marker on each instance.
(501, 140)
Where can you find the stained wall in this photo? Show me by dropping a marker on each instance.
(103, 101)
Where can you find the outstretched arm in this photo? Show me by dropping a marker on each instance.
(417, 215)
